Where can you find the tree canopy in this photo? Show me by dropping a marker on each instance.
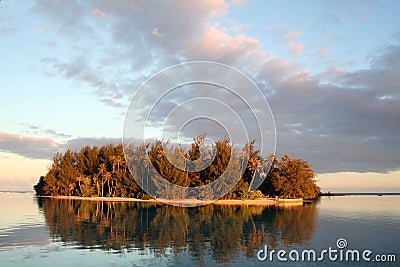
(292, 178)
(104, 171)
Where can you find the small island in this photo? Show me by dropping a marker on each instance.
(104, 173)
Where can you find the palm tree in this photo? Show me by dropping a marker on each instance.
(146, 164)
(113, 160)
(124, 164)
(186, 157)
(96, 181)
(102, 172)
(119, 161)
(108, 178)
(80, 178)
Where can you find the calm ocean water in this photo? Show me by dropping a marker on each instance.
(50, 232)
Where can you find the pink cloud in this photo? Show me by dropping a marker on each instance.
(295, 48)
(290, 36)
(323, 52)
(156, 32)
(98, 12)
(215, 44)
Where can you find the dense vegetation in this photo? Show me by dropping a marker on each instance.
(291, 178)
(104, 171)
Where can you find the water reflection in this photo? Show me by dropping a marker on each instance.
(222, 232)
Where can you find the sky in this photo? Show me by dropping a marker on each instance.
(329, 70)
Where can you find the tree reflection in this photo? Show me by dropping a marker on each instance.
(220, 232)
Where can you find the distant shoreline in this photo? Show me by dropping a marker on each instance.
(194, 202)
(322, 194)
(360, 194)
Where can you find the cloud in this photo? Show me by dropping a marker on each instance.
(291, 36)
(77, 143)
(108, 90)
(45, 148)
(65, 16)
(346, 125)
(338, 120)
(30, 147)
(323, 52)
(98, 12)
(31, 129)
(56, 134)
(216, 45)
(28, 125)
(112, 102)
(296, 49)
(157, 33)
(139, 54)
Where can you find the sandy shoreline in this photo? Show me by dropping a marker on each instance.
(194, 202)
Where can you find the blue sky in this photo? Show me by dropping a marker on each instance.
(68, 70)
